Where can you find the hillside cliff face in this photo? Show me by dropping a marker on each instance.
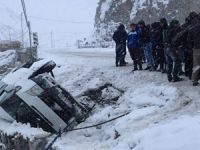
(112, 12)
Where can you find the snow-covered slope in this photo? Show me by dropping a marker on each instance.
(163, 116)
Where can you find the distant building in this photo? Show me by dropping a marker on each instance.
(7, 45)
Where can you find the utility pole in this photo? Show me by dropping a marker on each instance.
(22, 30)
(27, 22)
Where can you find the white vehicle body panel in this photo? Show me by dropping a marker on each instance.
(47, 112)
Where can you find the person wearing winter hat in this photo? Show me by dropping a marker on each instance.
(120, 37)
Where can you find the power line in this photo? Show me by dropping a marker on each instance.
(19, 37)
(49, 19)
(60, 20)
(82, 128)
(8, 31)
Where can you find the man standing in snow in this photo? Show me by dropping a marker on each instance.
(157, 46)
(194, 43)
(171, 53)
(133, 47)
(120, 37)
(172, 59)
(147, 45)
(180, 41)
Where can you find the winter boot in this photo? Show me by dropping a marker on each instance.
(147, 68)
(195, 84)
(117, 63)
(163, 71)
(122, 65)
(140, 67)
(135, 69)
(177, 79)
(169, 78)
(152, 68)
(181, 73)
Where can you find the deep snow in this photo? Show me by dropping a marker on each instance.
(163, 116)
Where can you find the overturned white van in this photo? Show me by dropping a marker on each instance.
(30, 94)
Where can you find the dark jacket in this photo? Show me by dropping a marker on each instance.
(194, 37)
(133, 39)
(120, 35)
(165, 29)
(174, 29)
(180, 40)
(156, 35)
(145, 35)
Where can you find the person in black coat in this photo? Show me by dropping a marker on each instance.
(157, 46)
(171, 53)
(194, 44)
(181, 41)
(120, 37)
(145, 39)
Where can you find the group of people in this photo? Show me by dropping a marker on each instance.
(169, 48)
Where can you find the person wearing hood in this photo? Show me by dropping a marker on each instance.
(120, 37)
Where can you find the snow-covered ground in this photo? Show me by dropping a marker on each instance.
(163, 116)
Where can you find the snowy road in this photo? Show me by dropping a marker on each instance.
(86, 54)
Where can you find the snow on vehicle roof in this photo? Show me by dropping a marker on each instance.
(20, 77)
(39, 64)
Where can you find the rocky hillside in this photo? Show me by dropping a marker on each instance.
(110, 12)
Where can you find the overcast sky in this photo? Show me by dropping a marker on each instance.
(66, 19)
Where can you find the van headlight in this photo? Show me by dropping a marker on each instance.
(35, 91)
